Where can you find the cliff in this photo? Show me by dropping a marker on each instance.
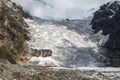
(107, 19)
(13, 34)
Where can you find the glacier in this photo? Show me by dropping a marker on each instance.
(73, 42)
(57, 27)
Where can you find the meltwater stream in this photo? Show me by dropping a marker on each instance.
(72, 42)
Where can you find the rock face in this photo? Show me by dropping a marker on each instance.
(13, 34)
(107, 19)
(25, 14)
(46, 52)
(42, 53)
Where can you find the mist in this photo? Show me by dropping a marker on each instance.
(72, 9)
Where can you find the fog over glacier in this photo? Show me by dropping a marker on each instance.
(73, 9)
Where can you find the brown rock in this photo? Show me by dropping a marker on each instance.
(42, 52)
(46, 52)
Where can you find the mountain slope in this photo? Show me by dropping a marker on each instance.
(107, 19)
(13, 33)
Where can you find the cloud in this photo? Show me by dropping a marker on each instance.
(59, 8)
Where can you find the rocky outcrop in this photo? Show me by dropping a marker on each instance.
(107, 19)
(13, 34)
(24, 13)
(42, 53)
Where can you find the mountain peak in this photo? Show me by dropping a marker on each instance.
(114, 5)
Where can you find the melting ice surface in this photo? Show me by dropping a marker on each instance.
(73, 43)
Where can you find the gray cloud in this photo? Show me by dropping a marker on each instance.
(60, 8)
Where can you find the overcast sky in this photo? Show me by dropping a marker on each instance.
(74, 9)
